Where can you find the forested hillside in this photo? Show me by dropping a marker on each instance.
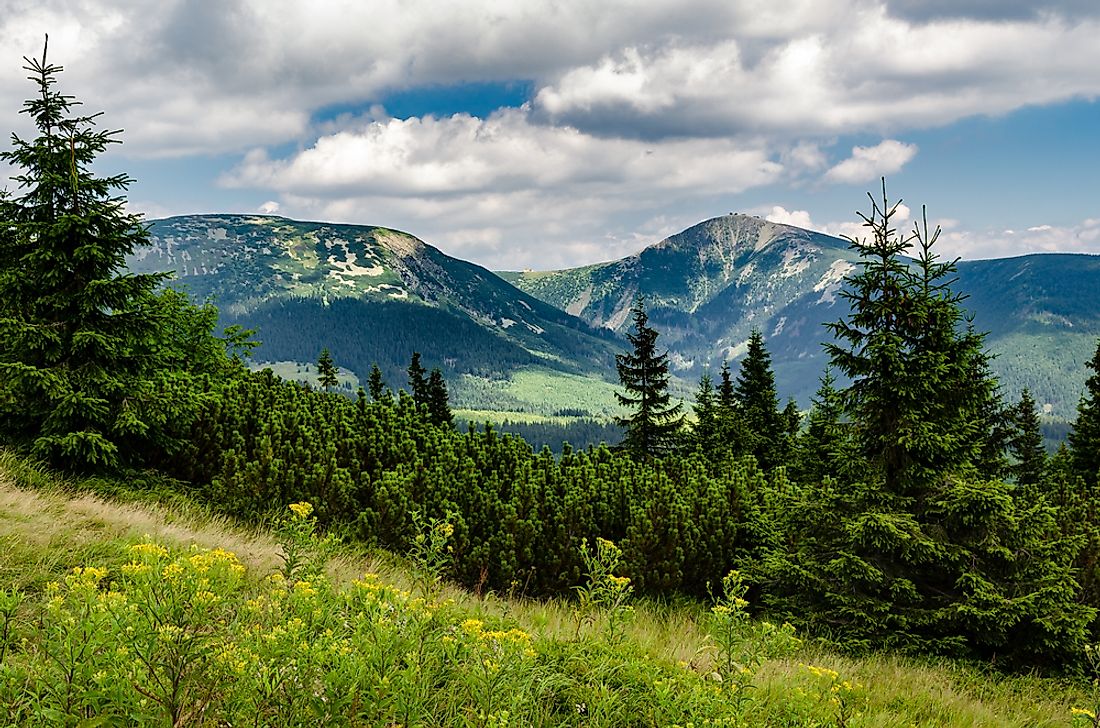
(371, 296)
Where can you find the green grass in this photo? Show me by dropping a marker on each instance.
(327, 645)
(538, 391)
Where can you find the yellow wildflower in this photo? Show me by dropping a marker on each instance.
(302, 509)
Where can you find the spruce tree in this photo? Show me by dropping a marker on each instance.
(326, 371)
(732, 437)
(439, 409)
(418, 380)
(95, 365)
(375, 384)
(758, 404)
(1084, 438)
(1026, 443)
(655, 426)
(705, 431)
(920, 549)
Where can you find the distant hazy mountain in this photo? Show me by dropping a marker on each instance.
(371, 294)
(710, 285)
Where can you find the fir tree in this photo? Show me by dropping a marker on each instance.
(418, 381)
(326, 371)
(758, 404)
(95, 365)
(1026, 443)
(1084, 438)
(655, 425)
(439, 410)
(375, 383)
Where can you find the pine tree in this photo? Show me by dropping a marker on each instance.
(94, 363)
(439, 410)
(376, 384)
(758, 404)
(326, 371)
(418, 381)
(1084, 438)
(656, 424)
(1026, 442)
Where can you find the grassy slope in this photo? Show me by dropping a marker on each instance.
(47, 528)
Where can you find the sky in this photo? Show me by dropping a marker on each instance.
(521, 134)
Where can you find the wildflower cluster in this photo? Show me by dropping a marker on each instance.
(604, 594)
(742, 645)
(844, 696)
(302, 552)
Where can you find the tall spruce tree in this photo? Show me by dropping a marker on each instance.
(1026, 442)
(758, 404)
(376, 384)
(418, 380)
(920, 550)
(705, 430)
(95, 365)
(1084, 438)
(655, 425)
(326, 370)
(439, 409)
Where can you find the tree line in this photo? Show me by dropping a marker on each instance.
(912, 509)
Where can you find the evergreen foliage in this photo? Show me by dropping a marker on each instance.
(439, 410)
(376, 383)
(758, 404)
(418, 381)
(1026, 443)
(920, 551)
(1084, 439)
(95, 364)
(326, 371)
(655, 426)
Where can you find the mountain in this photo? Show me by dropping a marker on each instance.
(710, 285)
(371, 294)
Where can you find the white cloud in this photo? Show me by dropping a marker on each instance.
(798, 218)
(222, 75)
(869, 163)
(489, 186)
(268, 208)
(1083, 237)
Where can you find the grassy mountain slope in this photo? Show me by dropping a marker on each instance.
(711, 284)
(370, 294)
(438, 665)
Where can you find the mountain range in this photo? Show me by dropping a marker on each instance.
(542, 343)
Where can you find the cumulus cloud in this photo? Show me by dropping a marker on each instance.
(222, 75)
(869, 163)
(479, 183)
(783, 216)
(638, 111)
(268, 208)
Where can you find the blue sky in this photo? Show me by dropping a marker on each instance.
(552, 134)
